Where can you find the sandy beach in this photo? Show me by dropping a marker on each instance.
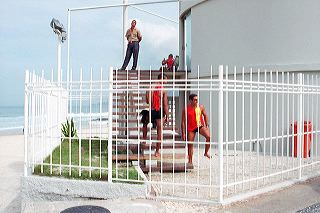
(11, 170)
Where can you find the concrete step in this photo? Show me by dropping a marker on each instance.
(167, 167)
(135, 157)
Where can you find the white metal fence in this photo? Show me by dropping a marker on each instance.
(264, 131)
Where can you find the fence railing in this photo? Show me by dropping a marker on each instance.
(262, 127)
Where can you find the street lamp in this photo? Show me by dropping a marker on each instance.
(61, 33)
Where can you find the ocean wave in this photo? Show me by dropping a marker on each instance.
(11, 122)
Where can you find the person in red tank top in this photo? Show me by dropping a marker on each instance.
(197, 121)
(158, 99)
(168, 64)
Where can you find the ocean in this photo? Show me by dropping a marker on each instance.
(11, 120)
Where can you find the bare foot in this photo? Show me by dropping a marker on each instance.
(207, 155)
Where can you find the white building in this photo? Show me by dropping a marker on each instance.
(273, 35)
(282, 34)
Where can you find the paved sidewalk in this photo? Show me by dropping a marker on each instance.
(290, 199)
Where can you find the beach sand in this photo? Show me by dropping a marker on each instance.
(11, 170)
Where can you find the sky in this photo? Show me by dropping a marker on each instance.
(28, 42)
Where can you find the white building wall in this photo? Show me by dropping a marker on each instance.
(276, 33)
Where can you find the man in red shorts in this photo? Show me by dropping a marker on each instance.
(158, 99)
(197, 121)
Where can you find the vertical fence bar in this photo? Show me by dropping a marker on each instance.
(258, 128)
(242, 128)
(211, 145)
(70, 112)
(300, 125)
(100, 125)
(264, 125)
(26, 121)
(116, 114)
(150, 126)
(90, 126)
(34, 116)
(277, 118)
(312, 120)
(227, 127)
(293, 122)
(309, 117)
(80, 125)
(288, 120)
(186, 131)
(51, 126)
(127, 122)
(59, 123)
(110, 126)
(282, 122)
(304, 109)
(42, 127)
(250, 129)
(138, 124)
(317, 115)
(220, 112)
(161, 130)
(235, 127)
(198, 135)
(173, 111)
(271, 120)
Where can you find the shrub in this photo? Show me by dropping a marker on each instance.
(68, 129)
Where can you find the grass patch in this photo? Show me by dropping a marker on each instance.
(70, 153)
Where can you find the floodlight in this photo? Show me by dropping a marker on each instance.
(58, 29)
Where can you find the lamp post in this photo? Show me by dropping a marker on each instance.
(59, 59)
(59, 30)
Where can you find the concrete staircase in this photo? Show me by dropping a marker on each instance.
(129, 99)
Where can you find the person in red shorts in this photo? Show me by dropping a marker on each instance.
(158, 99)
(197, 121)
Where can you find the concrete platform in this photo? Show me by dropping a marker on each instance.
(291, 199)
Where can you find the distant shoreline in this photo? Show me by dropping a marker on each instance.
(11, 131)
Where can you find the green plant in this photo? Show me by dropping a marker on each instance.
(68, 129)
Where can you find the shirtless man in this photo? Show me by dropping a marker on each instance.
(197, 121)
(155, 98)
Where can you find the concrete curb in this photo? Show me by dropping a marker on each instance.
(59, 189)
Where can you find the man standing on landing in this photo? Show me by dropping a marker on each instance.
(134, 37)
(197, 121)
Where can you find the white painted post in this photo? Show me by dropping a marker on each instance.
(68, 38)
(125, 25)
(110, 126)
(300, 123)
(220, 136)
(59, 60)
(26, 127)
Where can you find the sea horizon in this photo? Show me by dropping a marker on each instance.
(11, 120)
